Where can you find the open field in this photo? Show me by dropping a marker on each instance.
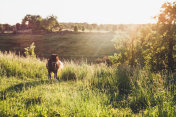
(119, 58)
(67, 46)
(83, 90)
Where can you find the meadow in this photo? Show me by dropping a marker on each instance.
(71, 45)
(138, 80)
(83, 90)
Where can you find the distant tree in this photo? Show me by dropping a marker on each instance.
(75, 28)
(61, 26)
(33, 22)
(14, 29)
(50, 23)
(37, 23)
(7, 27)
(94, 26)
(101, 27)
(18, 26)
(24, 26)
(98, 28)
(90, 28)
(114, 28)
(121, 27)
(83, 28)
(1, 28)
(107, 28)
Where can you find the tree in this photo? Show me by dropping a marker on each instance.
(167, 21)
(33, 22)
(50, 23)
(90, 28)
(121, 27)
(1, 28)
(61, 27)
(83, 28)
(75, 28)
(151, 46)
(114, 28)
(18, 26)
(94, 26)
(37, 23)
(6, 27)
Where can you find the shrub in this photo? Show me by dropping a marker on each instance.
(29, 51)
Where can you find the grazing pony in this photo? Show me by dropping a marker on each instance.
(53, 65)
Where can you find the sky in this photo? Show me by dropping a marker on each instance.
(90, 11)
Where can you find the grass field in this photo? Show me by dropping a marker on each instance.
(86, 45)
(83, 90)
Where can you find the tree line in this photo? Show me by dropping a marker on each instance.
(33, 22)
(50, 24)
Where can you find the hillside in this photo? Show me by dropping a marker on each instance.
(83, 90)
(68, 46)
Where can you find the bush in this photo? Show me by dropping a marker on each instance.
(29, 51)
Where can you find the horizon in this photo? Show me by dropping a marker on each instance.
(83, 11)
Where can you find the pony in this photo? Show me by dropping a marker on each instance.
(53, 65)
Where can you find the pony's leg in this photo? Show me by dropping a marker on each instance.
(55, 75)
(49, 75)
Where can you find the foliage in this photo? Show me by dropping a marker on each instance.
(18, 26)
(37, 23)
(29, 51)
(150, 46)
(50, 24)
(1, 28)
(132, 87)
(114, 28)
(33, 22)
(83, 28)
(167, 21)
(75, 28)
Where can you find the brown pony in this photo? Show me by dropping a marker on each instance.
(53, 65)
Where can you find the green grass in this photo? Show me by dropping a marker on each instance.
(83, 90)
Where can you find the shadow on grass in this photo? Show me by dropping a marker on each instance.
(21, 86)
(33, 101)
(2, 114)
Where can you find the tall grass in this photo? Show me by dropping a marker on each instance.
(73, 71)
(12, 65)
(83, 90)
